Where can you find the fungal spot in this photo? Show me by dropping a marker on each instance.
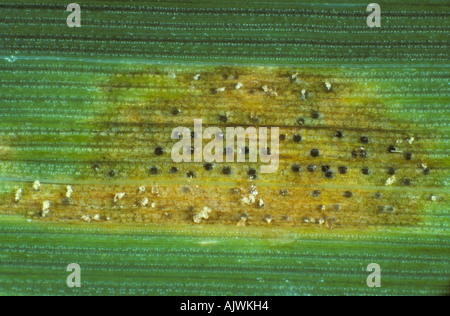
(226, 170)
(315, 152)
(338, 134)
(282, 137)
(406, 182)
(176, 111)
(297, 138)
(173, 170)
(342, 169)
(296, 168)
(204, 214)
(251, 173)
(377, 195)
(311, 168)
(391, 171)
(284, 192)
(159, 151)
(153, 171)
(223, 118)
(392, 149)
(325, 168)
(36, 185)
(208, 166)
(348, 194)
(315, 115)
(18, 194)
(301, 121)
(96, 167)
(118, 196)
(329, 174)
(190, 174)
(408, 156)
(45, 208)
(69, 191)
(390, 180)
(426, 171)
(111, 173)
(365, 171)
(364, 139)
(316, 193)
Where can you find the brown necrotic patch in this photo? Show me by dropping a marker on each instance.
(326, 119)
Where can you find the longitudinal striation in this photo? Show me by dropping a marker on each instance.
(355, 151)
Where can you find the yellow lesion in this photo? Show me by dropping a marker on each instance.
(140, 116)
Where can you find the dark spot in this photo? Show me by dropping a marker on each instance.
(365, 170)
(348, 194)
(311, 168)
(159, 151)
(315, 152)
(363, 154)
(251, 173)
(96, 167)
(426, 171)
(406, 181)
(246, 150)
(408, 156)
(325, 168)
(301, 121)
(192, 150)
(296, 168)
(354, 154)
(153, 170)
(223, 118)
(266, 151)
(342, 169)
(282, 137)
(213, 91)
(283, 192)
(111, 173)
(391, 171)
(173, 170)
(316, 193)
(364, 139)
(190, 174)
(193, 135)
(392, 149)
(329, 174)
(297, 138)
(176, 111)
(208, 166)
(338, 134)
(226, 170)
(315, 115)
